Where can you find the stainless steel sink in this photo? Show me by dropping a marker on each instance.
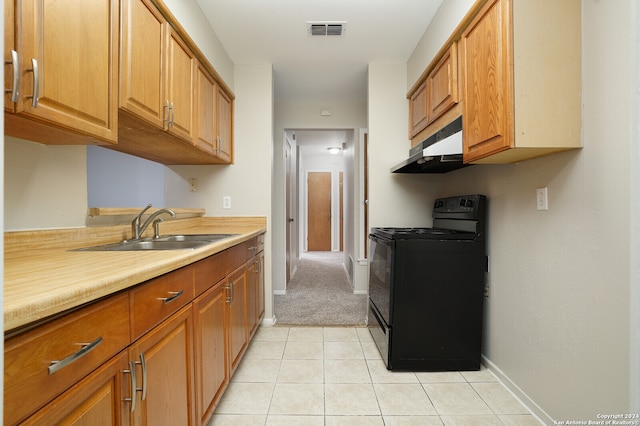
(194, 237)
(167, 242)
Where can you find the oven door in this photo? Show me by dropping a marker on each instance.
(381, 276)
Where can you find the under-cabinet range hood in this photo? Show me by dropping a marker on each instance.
(439, 153)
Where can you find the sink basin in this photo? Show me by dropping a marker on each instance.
(167, 242)
(194, 237)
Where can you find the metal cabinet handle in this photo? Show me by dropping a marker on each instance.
(228, 288)
(174, 296)
(16, 76)
(134, 385)
(143, 364)
(86, 348)
(230, 291)
(217, 145)
(173, 115)
(167, 117)
(36, 82)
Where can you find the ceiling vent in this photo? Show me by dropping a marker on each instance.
(335, 28)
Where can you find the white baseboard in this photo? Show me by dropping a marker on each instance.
(361, 292)
(280, 292)
(268, 322)
(524, 399)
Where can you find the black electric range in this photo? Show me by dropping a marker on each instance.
(426, 288)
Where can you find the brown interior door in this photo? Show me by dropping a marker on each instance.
(319, 211)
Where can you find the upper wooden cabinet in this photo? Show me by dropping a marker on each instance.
(142, 99)
(66, 64)
(521, 70)
(418, 110)
(435, 94)
(168, 91)
(443, 84)
(214, 117)
(158, 71)
(142, 89)
(224, 125)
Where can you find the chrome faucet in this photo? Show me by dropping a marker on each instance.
(137, 230)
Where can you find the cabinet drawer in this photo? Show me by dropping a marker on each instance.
(157, 299)
(30, 377)
(209, 271)
(260, 243)
(239, 254)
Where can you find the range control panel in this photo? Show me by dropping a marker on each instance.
(460, 207)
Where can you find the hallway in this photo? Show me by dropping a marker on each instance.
(320, 294)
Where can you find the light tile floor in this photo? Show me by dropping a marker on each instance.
(334, 376)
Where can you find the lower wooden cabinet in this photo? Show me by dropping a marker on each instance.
(210, 313)
(159, 365)
(238, 334)
(164, 366)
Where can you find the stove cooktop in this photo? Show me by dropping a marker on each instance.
(423, 233)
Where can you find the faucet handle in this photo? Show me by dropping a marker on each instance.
(156, 228)
(143, 210)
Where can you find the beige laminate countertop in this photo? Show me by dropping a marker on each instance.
(43, 278)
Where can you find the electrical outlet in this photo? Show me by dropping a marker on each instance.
(226, 202)
(542, 203)
(193, 184)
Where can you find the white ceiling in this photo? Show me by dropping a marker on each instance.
(319, 68)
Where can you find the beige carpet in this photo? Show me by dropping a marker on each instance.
(320, 294)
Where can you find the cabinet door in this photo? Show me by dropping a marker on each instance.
(260, 286)
(211, 353)
(206, 136)
(252, 296)
(418, 110)
(143, 47)
(443, 84)
(95, 400)
(9, 45)
(68, 53)
(180, 72)
(237, 316)
(165, 355)
(225, 126)
(488, 82)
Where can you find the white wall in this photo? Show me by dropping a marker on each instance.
(45, 186)
(557, 316)
(394, 199)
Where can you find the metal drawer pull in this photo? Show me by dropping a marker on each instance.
(36, 82)
(16, 76)
(134, 385)
(174, 296)
(86, 348)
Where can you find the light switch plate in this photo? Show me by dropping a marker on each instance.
(542, 203)
(226, 202)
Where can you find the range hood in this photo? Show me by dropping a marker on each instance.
(439, 153)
